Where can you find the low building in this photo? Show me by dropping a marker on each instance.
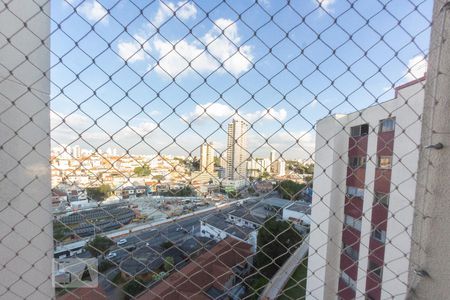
(298, 212)
(270, 207)
(216, 274)
(244, 218)
(219, 227)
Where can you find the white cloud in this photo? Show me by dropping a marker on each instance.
(224, 111)
(417, 66)
(134, 50)
(75, 121)
(184, 11)
(266, 114)
(213, 110)
(93, 11)
(326, 4)
(180, 57)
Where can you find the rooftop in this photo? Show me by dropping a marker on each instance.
(246, 214)
(300, 206)
(277, 202)
(219, 221)
(207, 273)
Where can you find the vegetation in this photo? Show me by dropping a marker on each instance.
(99, 245)
(158, 178)
(133, 288)
(290, 190)
(296, 286)
(216, 161)
(168, 263)
(59, 231)
(142, 171)
(104, 265)
(299, 168)
(166, 244)
(186, 191)
(256, 286)
(276, 242)
(99, 193)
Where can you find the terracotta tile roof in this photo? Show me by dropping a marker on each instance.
(211, 269)
(84, 294)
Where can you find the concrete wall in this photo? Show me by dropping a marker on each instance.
(25, 208)
(431, 238)
(329, 194)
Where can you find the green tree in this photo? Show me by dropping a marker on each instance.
(133, 288)
(168, 263)
(99, 193)
(99, 245)
(276, 242)
(290, 190)
(216, 161)
(166, 245)
(142, 171)
(59, 231)
(158, 178)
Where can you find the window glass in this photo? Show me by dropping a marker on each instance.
(359, 130)
(375, 269)
(387, 125)
(385, 162)
(357, 161)
(379, 235)
(381, 198)
(348, 281)
(352, 222)
(351, 252)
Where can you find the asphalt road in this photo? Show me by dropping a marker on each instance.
(174, 232)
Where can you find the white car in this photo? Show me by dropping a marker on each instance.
(111, 255)
(122, 242)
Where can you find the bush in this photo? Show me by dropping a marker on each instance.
(104, 265)
(276, 241)
(291, 190)
(133, 288)
(168, 263)
(166, 244)
(99, 245)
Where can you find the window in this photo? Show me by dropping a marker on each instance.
(387, 125)
(355, 192)
(352, 222)
(375, 269)
(348, 280)
(350, 251)
(357, 161)
(381, 198)
(379, 235)
(384, 162)
(359, 130)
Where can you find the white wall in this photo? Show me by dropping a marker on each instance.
(26, 242)
(328, 199)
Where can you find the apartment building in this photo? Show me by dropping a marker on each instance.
(362, 207)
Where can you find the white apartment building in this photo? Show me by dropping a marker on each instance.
(237, 153)
(362, 206)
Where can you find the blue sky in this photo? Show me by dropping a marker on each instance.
(149, 77)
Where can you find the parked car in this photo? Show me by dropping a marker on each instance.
(111, 255)
(122, 242)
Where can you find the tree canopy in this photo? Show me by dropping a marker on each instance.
(142, 171)
(99, 245)
(99, 193)
(276, 242)
(290, 190)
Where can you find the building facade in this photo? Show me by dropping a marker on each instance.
(237, 153)
(207, 158)
(362, 207)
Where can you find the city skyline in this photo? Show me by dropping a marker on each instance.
(163, 89)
